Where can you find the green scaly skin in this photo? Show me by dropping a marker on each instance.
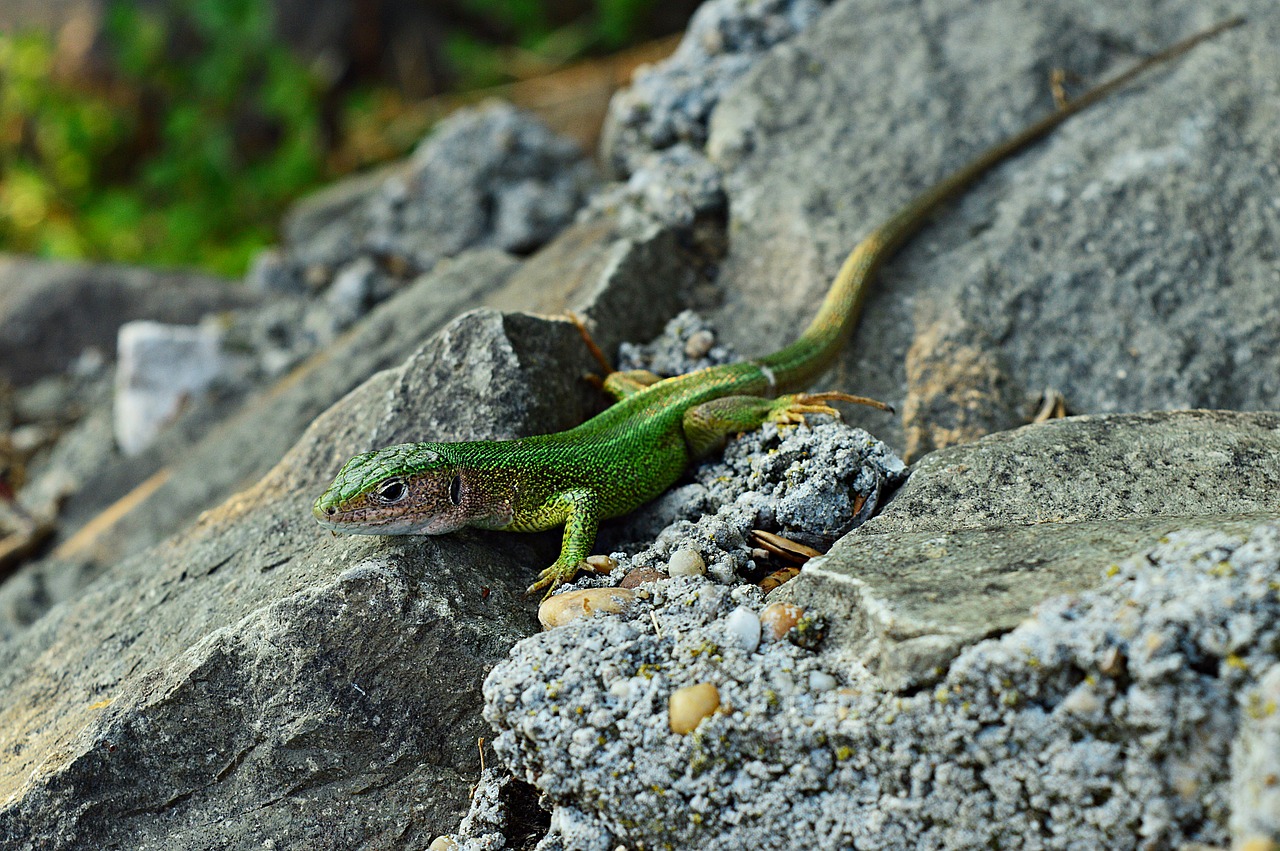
(641, 445)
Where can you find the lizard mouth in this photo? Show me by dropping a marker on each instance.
(374, 521)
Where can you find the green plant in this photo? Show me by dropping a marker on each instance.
(539, 42)
(205, 128)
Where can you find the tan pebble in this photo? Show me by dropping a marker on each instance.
(564, 608)
(1259, 843)
(777, 619)
(641, 575)
(689, 705)
(686, 562)
(442, 843)
(699, 343)
(601, 564)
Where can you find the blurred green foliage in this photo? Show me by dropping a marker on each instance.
(478, 62)
(165, 162)
(187, 147)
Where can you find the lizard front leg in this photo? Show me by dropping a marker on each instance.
(707, 426)
(579, 510)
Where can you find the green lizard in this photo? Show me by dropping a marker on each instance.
(640, 446)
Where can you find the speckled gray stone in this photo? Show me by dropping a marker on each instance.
(1128, 260)
(1106, 720)
(982, 532)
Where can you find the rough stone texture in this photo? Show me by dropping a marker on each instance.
(236, 452)
(487, 177)
(1128, 261)
(671, 102)
(1255, 792)
(50, 312)
(1107, 720)
(249, 677)
(253, 676)
(982, 532)
(278, 651)
(958, 389)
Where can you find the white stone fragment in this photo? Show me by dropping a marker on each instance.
(743, 627)
(820, 681)
(686, 562)
(160, 368)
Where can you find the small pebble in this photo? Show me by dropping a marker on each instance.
(777, 619)
(442, 843)
(1082, 700)
(601, 564)
(565, 608)
(821, 681)
(743, 626)
(686, 562)
(641, 575)
(699, 343)
(689, 705)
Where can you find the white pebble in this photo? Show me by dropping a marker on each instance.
(686, 562)
(743, 627)
(821, 681)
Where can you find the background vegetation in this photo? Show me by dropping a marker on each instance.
(194, 126)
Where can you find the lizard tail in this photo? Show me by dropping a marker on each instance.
(812, 353)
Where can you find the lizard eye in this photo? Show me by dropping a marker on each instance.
(390, 491)
(455, 490)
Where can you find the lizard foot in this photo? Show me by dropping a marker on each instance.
(554, 576)
(791, 409)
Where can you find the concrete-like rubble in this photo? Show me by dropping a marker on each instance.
(1106, 720)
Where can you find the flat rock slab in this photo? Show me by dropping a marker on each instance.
(981, 533)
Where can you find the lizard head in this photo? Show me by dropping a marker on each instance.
(410, 489)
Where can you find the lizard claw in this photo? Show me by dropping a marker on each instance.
(791, 410)
(553, 577)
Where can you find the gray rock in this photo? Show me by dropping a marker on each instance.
(1104, 721)
(671, 103)
(981, 533)
(1123, 261)
(271, 274)
(1255, 765)
(687, 343)
(162, 493)
(51, 312)
(353, 291)
(160, 368)
(674, 187)
(288, 670)
(486, 177)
